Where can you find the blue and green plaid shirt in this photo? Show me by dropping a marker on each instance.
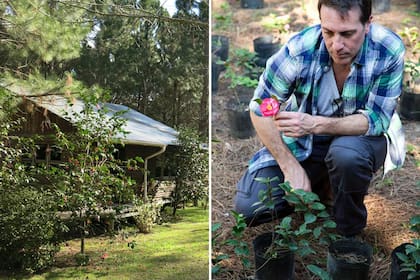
(294, 73)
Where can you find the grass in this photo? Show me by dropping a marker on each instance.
(175, 250)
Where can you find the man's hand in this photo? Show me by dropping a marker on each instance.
(294, 124)
(297, 178)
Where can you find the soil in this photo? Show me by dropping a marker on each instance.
(391, 200)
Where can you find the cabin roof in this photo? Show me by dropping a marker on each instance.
(142, 130)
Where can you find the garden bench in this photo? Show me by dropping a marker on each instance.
(163, 195)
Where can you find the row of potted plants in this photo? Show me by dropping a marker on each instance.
(295, 235)
(241, 68)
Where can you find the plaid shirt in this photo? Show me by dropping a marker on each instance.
(294, 73)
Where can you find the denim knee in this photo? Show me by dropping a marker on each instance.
(247, 199)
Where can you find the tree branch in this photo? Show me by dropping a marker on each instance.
(126, 11)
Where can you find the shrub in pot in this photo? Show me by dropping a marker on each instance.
(239, 70)
(220, 53)
(410, 97)
(288, 239)
(405, 258)
(265, 47)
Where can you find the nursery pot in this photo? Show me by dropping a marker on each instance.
(252, 4)
(396, 274)
(239, 115)
(410, 105)
(265, 47)
(216, 69)
(281, 267)
(349, 259)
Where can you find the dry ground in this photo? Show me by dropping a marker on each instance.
(391, 200)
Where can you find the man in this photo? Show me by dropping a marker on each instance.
(341, 81)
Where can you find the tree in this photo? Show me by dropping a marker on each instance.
(190, 162)
(91, 179)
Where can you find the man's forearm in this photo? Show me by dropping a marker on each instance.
(356, 124)
(270, 137)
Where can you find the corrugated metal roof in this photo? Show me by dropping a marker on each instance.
(142, 130)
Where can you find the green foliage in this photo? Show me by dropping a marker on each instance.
(191, 164)
(411, 257)
(29, 228)
(241, 69)
(277, 23)
(410, 37)
(317, 224)
(90, 179)
(240, 247)
(149, 213)
(223, 21)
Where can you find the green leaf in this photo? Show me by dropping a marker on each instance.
(215, 226)
(292, 199)
(415, 221)
(286, 223)
(309, 218)
(329, 224)
(319, 272)
(402, 257)
(413, 275)
(258, 100)
(317, 206)
(309, 197)
(323, 214)
(317, 232)
(241, 251)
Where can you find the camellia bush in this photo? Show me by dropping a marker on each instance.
(91, 179)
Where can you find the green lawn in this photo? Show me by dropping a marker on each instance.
(176, 250)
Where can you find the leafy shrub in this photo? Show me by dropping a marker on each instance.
(28, 229)
(148, 215)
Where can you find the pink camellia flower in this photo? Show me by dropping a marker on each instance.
(269, 107)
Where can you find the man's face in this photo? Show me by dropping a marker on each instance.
(343, 35)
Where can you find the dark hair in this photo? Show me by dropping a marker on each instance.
(343, 6)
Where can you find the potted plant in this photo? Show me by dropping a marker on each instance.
(405, 258)
(410, 98)
(265, 47)
(276, 250)
(242, 73)
(220, 53)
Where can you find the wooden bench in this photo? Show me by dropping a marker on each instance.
(163, 195)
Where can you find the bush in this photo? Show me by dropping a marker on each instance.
(28, 229)
(149, 213)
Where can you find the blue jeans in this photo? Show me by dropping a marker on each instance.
(340, 171)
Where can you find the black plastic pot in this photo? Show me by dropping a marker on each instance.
(381, 6)
(216, 69)
(410, 105)
(252, 4)
(281, 267)
(396, 274)
(341, 264)
(220, 46)
(238, 114)
(265, 47)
